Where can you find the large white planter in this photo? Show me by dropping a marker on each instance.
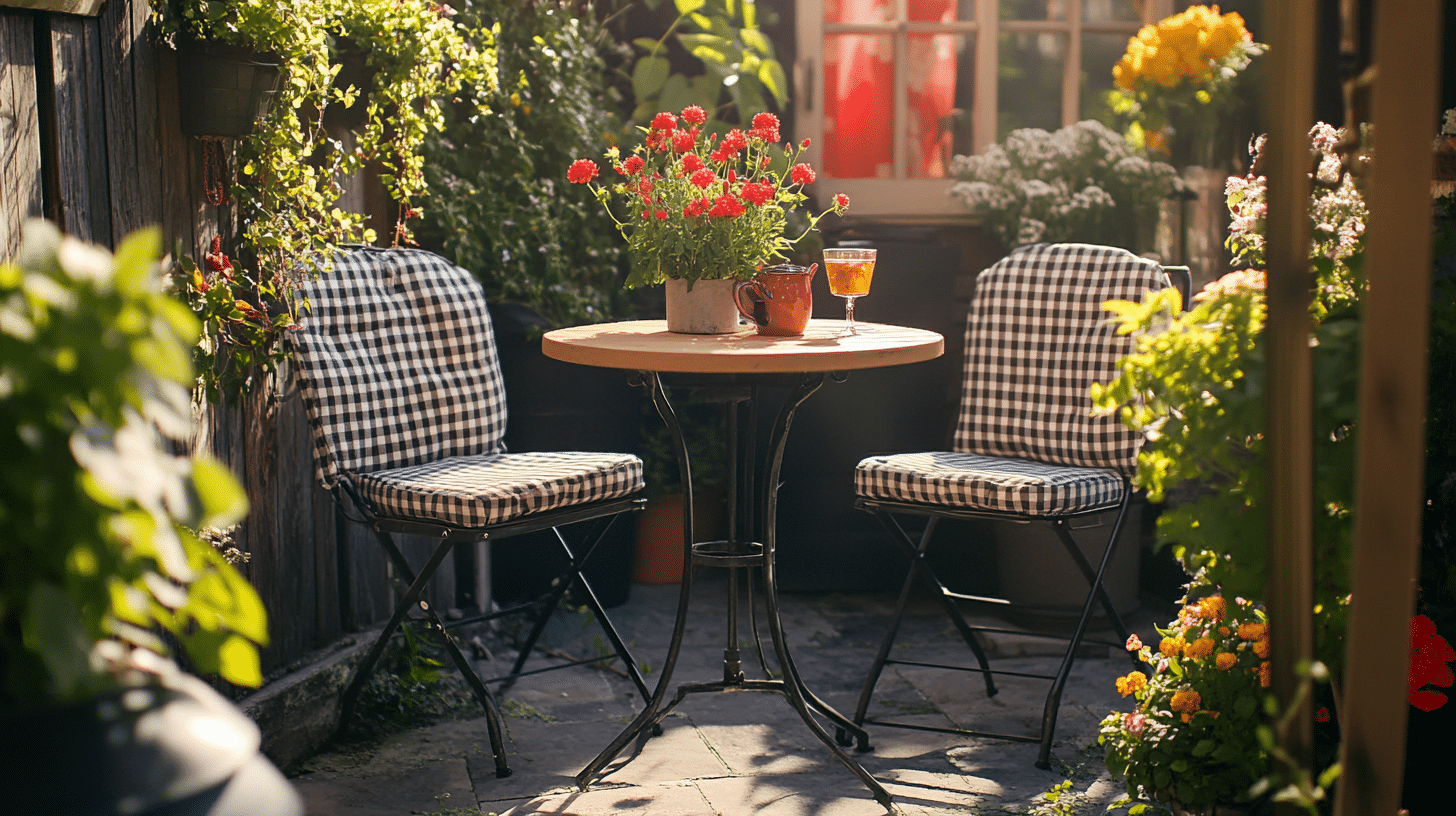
(707, 309)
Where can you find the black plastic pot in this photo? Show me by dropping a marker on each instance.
(178, 749)
(222, 90)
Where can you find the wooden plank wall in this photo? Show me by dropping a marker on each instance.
(89, 138)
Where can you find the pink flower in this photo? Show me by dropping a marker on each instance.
(802, 174)
(581, 171)
(694, 115)
(1134, 723)
(1134, 643)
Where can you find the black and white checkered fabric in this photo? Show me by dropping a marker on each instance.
(1037, 337)
(397, 366)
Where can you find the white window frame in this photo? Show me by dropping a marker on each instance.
(901, 197)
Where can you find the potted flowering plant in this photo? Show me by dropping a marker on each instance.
(1192, 739)
(1178, 80)
(697, 208)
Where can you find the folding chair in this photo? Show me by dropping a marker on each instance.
(1026, 445)
(397, 365)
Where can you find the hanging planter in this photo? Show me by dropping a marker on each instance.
(222, 90)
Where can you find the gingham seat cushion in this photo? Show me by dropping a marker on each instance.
(1037, 337)
(990, 483)
(396, 363)
(477, 491)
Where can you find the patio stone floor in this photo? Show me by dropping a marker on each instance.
(748, 752)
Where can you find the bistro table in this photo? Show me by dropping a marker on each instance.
(739, 363)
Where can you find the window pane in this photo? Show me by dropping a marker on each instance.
(1099, 53)
(940, 11)
(1029, 85)
(1033, 10)
(939, 69)
(858, 11)
(859, 105)
(1112, 11)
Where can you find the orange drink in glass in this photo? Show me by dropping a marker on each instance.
(849, 271)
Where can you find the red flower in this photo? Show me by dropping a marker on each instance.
(581, 171)
(703, 178)
(694, 115)
(732, 176)
(661, 215)
(691, 163)
(804, 144)
(633, 164)
(802, 174)
(765, 127)
(644, 188)
(1429, 655)
(726, 206)
(683, 140)
(1323, 715)
(758, 193)
(841, 201)
(664, 121)
(735, 141)
(216, 262)
(696, 207)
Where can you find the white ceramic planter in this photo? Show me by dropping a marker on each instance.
(707, 309)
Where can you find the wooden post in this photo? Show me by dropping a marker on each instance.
(1289, 101)
(1391, 454)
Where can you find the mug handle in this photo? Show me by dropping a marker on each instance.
(756, 288)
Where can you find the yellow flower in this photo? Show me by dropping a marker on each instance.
(1131, 683)
(1261, 647)
(1226, 660)
(1200, 648)
(1253, 631)
(1172, 647)
(1186, 700)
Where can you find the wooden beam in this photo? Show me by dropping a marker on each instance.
(1389, 482)
(1289, 100)
(20, 148)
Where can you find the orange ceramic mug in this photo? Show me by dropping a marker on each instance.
(781, 299)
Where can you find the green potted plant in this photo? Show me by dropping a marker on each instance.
(102, 568)
(700, 213)
(289, 168)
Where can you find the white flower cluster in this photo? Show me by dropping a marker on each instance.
(1083, 182)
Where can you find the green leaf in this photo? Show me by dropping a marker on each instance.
(238, 662)
(648, 45)
(753, 38)
(711, 49)
(771, 74)
(676, 94)
(689, 6)
(649, 76)
(224, 502)
(52, 629)
(134, 258)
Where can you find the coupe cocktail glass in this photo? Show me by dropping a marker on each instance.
(849, 272)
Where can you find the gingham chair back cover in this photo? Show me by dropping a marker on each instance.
(1036, 338)
(396, 363)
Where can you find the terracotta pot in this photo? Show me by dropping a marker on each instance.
(659, 556)
(782, 299)
(707, 308)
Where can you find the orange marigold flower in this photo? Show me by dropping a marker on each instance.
(1261, 647)
(1186, 700)
(1131, 683)
(1200, 648)
(1212, 607)
(1226, 660)
(1264, 674)
(1172, 647)
(1253, 631)
(1223, 630)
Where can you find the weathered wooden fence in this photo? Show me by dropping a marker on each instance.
(89, 138)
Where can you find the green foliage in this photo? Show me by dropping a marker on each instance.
(501, 209)
(1192, 737)
(1195, 386)
(740, 71)
(97, 549)
(291, 168)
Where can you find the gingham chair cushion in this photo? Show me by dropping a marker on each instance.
(397, 367)
(990, 483)
(396, 363)
(1037, 337)
(476, 491)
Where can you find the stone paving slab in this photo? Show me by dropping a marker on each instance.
(745, 752)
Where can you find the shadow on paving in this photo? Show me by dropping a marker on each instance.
(746, 752)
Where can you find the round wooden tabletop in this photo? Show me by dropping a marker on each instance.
(647, 345)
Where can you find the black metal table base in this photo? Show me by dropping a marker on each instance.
(735, 554)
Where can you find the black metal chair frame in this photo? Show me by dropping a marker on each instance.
(601, 514)
(920, 569)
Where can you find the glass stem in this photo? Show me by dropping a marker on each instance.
(849, 311)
